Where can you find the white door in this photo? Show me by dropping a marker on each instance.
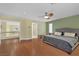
(34, 30)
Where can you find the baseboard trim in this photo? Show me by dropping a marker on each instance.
(9, 38)
(25, 38)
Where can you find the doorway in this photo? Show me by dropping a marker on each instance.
(34, 30)
(9, 29)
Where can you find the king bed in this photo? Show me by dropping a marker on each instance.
(63, 42)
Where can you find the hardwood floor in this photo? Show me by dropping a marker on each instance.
(34, 47)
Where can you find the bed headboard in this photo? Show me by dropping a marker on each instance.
(71, 30)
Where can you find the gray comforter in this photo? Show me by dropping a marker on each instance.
(62, 42)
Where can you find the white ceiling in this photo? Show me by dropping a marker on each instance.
(34, 11)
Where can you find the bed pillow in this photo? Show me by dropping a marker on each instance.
(69, 34)
(57, 33)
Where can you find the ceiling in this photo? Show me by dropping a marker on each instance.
(33, 11)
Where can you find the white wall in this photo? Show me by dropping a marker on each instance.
(65, 9)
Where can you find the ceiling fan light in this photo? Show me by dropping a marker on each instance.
(46, 17)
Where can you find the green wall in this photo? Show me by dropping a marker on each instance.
(41, 28)
(69, 22)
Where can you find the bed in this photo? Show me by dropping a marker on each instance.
(65, 43)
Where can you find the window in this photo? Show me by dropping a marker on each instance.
(50, 28)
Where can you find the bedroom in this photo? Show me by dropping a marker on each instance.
(24, 28)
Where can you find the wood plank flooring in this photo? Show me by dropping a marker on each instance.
(32, 47)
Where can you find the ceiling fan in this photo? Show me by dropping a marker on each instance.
(47, 15)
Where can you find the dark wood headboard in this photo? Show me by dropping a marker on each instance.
(71, 30)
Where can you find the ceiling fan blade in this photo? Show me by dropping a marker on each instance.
(46, 14)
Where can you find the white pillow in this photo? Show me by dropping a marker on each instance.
(57, 33)
(69, 34)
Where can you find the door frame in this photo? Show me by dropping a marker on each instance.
(36, 30)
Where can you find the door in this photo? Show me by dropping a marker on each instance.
(34, 30)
